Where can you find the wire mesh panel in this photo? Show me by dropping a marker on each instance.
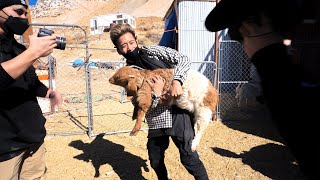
(207, 68)
(233, 70)
(112, 110)
(69, 79)
(239, 85)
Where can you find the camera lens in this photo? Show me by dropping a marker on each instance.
(61, 43)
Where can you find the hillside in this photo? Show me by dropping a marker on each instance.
(90, 8)
(148, 13)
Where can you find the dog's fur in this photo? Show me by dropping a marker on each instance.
(199, 96)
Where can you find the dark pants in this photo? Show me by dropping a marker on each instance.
(190, 160)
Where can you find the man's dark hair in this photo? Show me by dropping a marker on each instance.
(118, 30)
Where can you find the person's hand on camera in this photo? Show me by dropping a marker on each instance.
(42, 46)
(38, 47)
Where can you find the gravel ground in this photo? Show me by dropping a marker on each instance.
(233, 150)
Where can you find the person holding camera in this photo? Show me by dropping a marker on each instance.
(22, 124)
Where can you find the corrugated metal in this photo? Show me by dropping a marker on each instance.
(194, 40)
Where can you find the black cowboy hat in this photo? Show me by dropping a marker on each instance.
(228, 13)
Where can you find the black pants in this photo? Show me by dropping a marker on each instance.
(190, 160)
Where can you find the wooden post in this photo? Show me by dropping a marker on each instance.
(29, 31)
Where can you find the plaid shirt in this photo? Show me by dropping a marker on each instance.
(160, 116)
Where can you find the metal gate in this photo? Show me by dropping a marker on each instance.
(71, 117)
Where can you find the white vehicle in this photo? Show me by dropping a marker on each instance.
(103, 23)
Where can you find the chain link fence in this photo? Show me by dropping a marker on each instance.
(81, 74)
(207, 68)
(71, 117)
(239, 86)
(92, 105)
(111, 109)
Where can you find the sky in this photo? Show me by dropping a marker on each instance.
(32, 2)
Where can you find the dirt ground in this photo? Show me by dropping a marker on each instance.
(229, 150)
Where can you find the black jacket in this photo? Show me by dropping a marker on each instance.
(293, 107)
(21, 119)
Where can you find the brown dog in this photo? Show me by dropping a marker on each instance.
(199, 96)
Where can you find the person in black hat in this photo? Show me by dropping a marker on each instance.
(22, 129)
(261, 26)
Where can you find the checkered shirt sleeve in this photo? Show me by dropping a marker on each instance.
(180, 61)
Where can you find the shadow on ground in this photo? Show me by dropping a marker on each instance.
(101, 151)
(257, 122)
(271, 160)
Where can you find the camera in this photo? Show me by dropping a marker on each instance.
(61, 41)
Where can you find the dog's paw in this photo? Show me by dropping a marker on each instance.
(134, 132)
(194, 145)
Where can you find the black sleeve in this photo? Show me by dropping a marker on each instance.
(40, 89)
(5, 78)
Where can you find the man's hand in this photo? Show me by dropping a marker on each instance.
(41, 46)
(176, 88)
(156, 83)
(55, 98)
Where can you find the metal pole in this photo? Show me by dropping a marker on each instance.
(216, 54)
(216, 58)
(89, 100)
